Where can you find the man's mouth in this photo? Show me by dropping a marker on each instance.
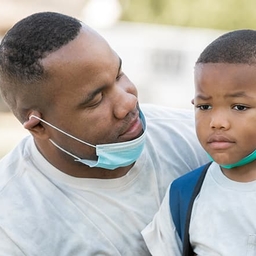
(133, 130)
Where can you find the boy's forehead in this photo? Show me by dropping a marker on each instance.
(223, 69)
(229, 79)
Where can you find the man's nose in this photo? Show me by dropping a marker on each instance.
(125, 102)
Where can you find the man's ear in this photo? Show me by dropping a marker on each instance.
(35, 126)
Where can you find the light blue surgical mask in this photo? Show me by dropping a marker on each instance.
(110, 156)
(246, 160)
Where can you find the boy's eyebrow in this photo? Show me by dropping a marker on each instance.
(203, 97)
(238, 94)
(228, 95)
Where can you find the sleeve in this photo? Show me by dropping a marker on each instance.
(160, 235)
(7, 246)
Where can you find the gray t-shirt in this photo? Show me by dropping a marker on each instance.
(47, 212)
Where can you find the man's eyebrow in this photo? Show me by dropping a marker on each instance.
(91, 95)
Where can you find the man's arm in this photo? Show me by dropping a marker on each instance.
(7, 246)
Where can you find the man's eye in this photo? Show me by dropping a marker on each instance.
(204, 107)
(96, 101)
(119, 76)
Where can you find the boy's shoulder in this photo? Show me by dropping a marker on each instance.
(188, 180)
(182, 193)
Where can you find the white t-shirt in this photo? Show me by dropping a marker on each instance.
(46, 212)
(223, 221)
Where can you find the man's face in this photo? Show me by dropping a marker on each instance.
(90, 97)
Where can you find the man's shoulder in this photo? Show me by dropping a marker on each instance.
(168, 122)
(153, 111)
(13, 163)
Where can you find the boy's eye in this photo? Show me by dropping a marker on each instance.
(240, 107)
(204, 107)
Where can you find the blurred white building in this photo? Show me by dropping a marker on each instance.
(101, 13)
(158, 59)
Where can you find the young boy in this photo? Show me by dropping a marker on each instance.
(222, 220)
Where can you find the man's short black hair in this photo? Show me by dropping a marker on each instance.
(21, 52)
(31, 39)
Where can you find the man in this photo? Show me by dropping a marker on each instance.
(96, 167)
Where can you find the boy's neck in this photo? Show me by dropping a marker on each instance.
(246, 173)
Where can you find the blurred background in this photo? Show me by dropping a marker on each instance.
(158, 41)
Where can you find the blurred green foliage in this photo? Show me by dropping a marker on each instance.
(215, 14)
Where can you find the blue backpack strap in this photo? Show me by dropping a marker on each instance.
(183, 191)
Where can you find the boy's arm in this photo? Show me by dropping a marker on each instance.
(160, 235)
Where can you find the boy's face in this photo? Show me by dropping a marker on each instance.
(225, 110)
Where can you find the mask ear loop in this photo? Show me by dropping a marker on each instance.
(65, 133)
(65, 151)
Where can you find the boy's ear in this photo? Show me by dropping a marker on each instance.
(35, 126)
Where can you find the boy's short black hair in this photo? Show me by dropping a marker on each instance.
(235, 47)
